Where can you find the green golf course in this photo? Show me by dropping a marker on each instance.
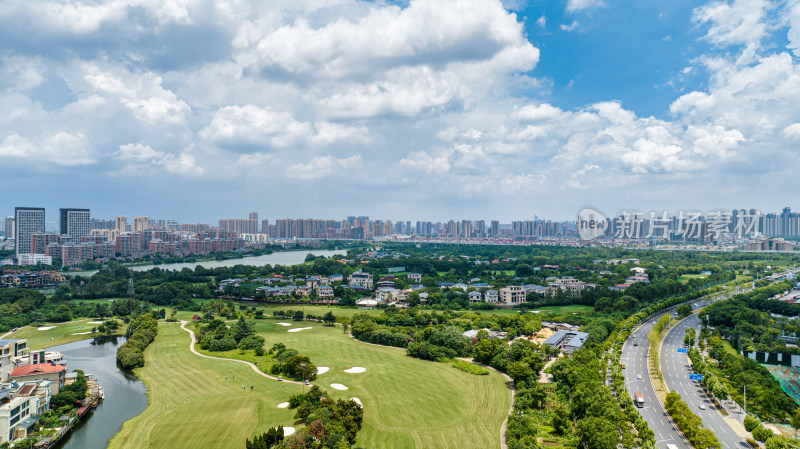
(408, 403)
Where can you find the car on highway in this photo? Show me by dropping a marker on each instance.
(636, 343)
(639, 376)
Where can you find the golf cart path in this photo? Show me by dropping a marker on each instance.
(251, 365)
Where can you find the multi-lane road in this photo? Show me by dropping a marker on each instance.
(637, 378)
(676, 367)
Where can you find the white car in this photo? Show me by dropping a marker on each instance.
(639, 376)
(702, 406)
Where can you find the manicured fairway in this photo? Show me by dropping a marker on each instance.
(59, 334)
(191, 405)
(409, 403)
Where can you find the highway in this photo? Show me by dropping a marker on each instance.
(635, 358)
(676, 368)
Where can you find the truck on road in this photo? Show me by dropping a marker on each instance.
(639, 399)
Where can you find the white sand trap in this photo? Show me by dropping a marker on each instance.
(46, 328)
(285, 324)
(355, 370)
(298, 329)
(357, 401)
(339, 387)
(283, 405)
(288, 431)
(82, 333)
(322, 369)
(95, 322)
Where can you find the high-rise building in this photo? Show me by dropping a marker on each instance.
(121, 224)
(494, 229)
(75, 223)
(141, 224)
(9, 227)
(265, 226)
(28, 220)
(94, 223)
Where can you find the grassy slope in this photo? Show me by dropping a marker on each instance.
(408, 402)
(61, 333)
(191, 405)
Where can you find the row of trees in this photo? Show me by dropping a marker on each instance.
(141, 332)
(689, 423)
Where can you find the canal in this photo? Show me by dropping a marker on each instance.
(125, 395)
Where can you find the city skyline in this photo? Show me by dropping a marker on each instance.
(424, 108)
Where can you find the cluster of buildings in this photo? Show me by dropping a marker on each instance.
(81, 238)
(31, 279)
(28, 380)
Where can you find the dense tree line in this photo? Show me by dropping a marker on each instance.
(141, 332)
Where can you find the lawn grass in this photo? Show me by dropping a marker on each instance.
(408, 403)
(191, 405)
(686, 277)
(60, 334)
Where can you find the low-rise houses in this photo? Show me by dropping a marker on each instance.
(361, 279)
(324, 291)
(475, 297)
(38, 372)
(513, 294)
(567, 284)
(414, 277)
(567, 341)
(491, 295)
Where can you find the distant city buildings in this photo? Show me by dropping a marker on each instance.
(75, 223)
(28, 221)
(8, 227)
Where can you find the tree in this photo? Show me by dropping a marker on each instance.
(795, 421)
(329, 318)
(298, 316)
(598, 433)
(775, 442)
(761, 433)
(242, 329)
(750, 423)
(684, 310)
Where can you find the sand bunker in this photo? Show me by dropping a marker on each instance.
(339, 387)
(46, 328)
(285, 324)
(322, 369)
(355, 370)
(357, 401)
(283, 405)
(288, 431)
(82, 333)
(298, 329)
(95, 322)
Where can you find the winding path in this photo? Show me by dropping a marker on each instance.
(251, 365)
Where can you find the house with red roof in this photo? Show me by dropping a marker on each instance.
(38, 372)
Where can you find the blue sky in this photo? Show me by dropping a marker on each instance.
(424, 109)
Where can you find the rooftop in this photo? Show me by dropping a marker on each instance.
(38, 368)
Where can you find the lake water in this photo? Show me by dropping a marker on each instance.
(279, 258)
(125, 395)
